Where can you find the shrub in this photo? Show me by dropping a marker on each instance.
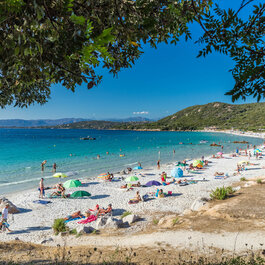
(59, 226)
(73, 232)
(221, 193)
(155, 221)
(259, 181)
(125, 214)
(175, 221)
(243, 179)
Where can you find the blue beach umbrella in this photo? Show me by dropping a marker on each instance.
(153, 183)
(177, 172)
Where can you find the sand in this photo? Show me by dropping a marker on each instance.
(34, 222)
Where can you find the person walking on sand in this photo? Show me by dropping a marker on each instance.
(5, 225)
(43, 164)
(158, 164)
(54, 167)
(41, 188)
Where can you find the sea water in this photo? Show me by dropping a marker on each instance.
(23, 150)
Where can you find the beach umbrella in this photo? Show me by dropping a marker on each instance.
(243, 162)
(153, 183)
(80, 193)
(197, 163)
(59, 175)
(72, 183)
(132, 178)
(219, 153)
(177, 172)
(181, 164)
(137, 168)
(103, 175)
(257, 151)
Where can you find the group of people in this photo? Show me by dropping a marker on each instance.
(54, 166)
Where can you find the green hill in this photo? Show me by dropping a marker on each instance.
(217, 115)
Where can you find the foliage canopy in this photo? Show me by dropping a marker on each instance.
(45, 42)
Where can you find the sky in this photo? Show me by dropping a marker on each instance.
(162, 82)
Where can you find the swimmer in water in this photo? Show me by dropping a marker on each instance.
(54, 166)
(98, 156)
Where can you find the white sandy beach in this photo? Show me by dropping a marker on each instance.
(34, 222)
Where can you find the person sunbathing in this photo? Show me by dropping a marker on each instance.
(124, 186)
(218, 173)
(136, 185)
(136, 199)
(89, 218)
(102, 211)
(60, 191)
(94, 210)
(73, 216)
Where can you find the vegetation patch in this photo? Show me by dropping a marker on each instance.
(243, 179)
(125, 214)
(221, 193)
(59, 226)
(259, 181)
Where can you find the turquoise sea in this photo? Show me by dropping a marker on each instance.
(23, 150)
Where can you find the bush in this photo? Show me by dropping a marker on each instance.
(59, 226)
(73, 232)
(221, 193)
(243, 179)
(175, 221)
(259, 181)
(155, 221)
(125, 214)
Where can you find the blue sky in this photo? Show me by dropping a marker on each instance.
(162, 81)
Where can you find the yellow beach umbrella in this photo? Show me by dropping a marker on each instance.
(59, 175)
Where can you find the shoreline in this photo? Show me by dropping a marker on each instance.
(42, 216)
(94, 177)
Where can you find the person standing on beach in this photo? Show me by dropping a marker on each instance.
(54, 167)
(4, 217)
(43, 164)
(41, 188)
(158, 164)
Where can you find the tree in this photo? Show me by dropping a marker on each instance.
(45, 42)
(243, 40)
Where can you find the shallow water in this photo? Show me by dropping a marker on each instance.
(23, 150)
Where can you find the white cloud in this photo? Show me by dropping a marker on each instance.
(140, 112)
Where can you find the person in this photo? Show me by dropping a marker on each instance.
(54, 166)
(137, 185)
(160, 193)
(163, 177)
(43, 164)
(222, 147)
(139, 164)
(107, 152)
(60, 191)
(4, 217)
(202, 158)
(94, 210)
(105, 211)
(158, 164)
(174, 151)
(41, 188)
(74, 215)
(129, 169)
(249, 155)
(98, 156)
(136, 199)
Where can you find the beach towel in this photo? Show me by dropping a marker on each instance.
(72, 219)
(89, 219)
(183, 184)
(219, 177)
(42, 202)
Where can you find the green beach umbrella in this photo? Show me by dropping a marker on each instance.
(71, 183)
(80, 193)
(60, 175)
(130, 179)
(197, 163)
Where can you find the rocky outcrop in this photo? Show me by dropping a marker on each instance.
(131, 218)
(12, 208)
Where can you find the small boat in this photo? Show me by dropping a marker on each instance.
(87, 138)
(203, 142)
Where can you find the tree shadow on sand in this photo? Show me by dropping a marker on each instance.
(30, 229)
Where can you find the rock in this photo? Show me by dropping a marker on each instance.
(167, 221)
(100, 223)
(237, 188)
(12, 208)
(17, 239)
(84, 229)
(130, 218)
(46, 240)
(113, 223)
(197, 204)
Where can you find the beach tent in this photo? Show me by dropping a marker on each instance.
(137, 168)
(197, 163)
(131, 179)
(72, 183)
(153, 183)
(177, 172)
(80, 193)
(59, 175)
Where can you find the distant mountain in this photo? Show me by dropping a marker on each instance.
(131, 119)
(37, 123)
(213, 115)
